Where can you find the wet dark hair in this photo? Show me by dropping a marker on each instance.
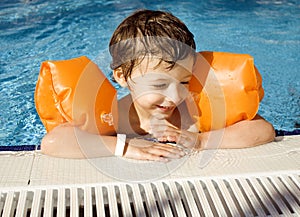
(150, 33)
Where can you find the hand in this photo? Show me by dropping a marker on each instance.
(141, 149)
(164, 131)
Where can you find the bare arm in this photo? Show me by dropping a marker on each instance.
(247, 133)
(244, 134)
(70, 142)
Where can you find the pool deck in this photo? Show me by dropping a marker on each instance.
(33, 169)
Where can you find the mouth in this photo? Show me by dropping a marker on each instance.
(165, 108)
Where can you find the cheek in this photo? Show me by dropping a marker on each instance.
(149, 99)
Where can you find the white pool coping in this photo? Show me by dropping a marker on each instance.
(31, 168)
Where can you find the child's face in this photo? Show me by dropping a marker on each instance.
(156, 90)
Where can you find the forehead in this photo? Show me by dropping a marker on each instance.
(182, 68)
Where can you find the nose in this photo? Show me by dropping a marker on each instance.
(176, 92)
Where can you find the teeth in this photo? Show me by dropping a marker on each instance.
(165, 107)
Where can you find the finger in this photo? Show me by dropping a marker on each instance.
(162, 138)
(136, 153)
(158, 130)
(169, 153)
(158, 134)
(165, 131)
(169, 147)
(171, 136)
(154, 157)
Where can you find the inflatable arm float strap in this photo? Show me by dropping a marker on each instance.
(77, 92)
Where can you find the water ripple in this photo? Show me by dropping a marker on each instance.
(33, 31)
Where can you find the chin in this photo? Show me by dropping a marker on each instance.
(160, 115)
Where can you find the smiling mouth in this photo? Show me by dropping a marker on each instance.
(165, 108)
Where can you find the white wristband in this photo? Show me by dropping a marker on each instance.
(121, 141)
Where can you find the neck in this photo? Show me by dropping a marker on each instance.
(136, 122)
(141, 118)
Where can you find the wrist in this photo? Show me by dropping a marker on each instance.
(198, 143)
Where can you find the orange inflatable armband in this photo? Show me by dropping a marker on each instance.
(76, 91)
(228, 89)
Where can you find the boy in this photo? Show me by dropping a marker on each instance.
(153, 53)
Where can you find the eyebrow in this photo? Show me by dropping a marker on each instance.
(159, 80)
(187, 77)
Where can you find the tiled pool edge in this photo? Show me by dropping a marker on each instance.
(31, 168)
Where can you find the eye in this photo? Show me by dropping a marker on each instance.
(160, 85)
(185, 83)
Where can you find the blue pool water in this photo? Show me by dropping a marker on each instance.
(32, 31)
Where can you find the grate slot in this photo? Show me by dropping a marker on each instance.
(2, 200)
(191, 203)
(118, 199)
(287, 194)
(157, 199)
(176, 200)
(131, 199)
(268, 202)
(258, 207)
(137, 201)
(170, 199)
(28, 203)
(88, 203)
(126, 208)
(294, 185)
(15, 203)
(240, 199)
(8, 205)
(183, 199)
(61, 202)
(230, 201)
(142, 191)
(67, 201)
(221, 196)
(203, 198)
(37, 203)
(292, 188)
(216, 201)
(99, 201)
(112, 201)
(20, 212)
(296, 180)
(197, 200)
(74, 202)
(277, 197)
(163, 200)
(48, 210)
(150, 200)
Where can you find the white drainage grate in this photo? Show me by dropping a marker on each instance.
(248, 196)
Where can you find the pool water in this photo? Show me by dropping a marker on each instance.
(35, 31)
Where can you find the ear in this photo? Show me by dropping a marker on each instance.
(119, 77)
